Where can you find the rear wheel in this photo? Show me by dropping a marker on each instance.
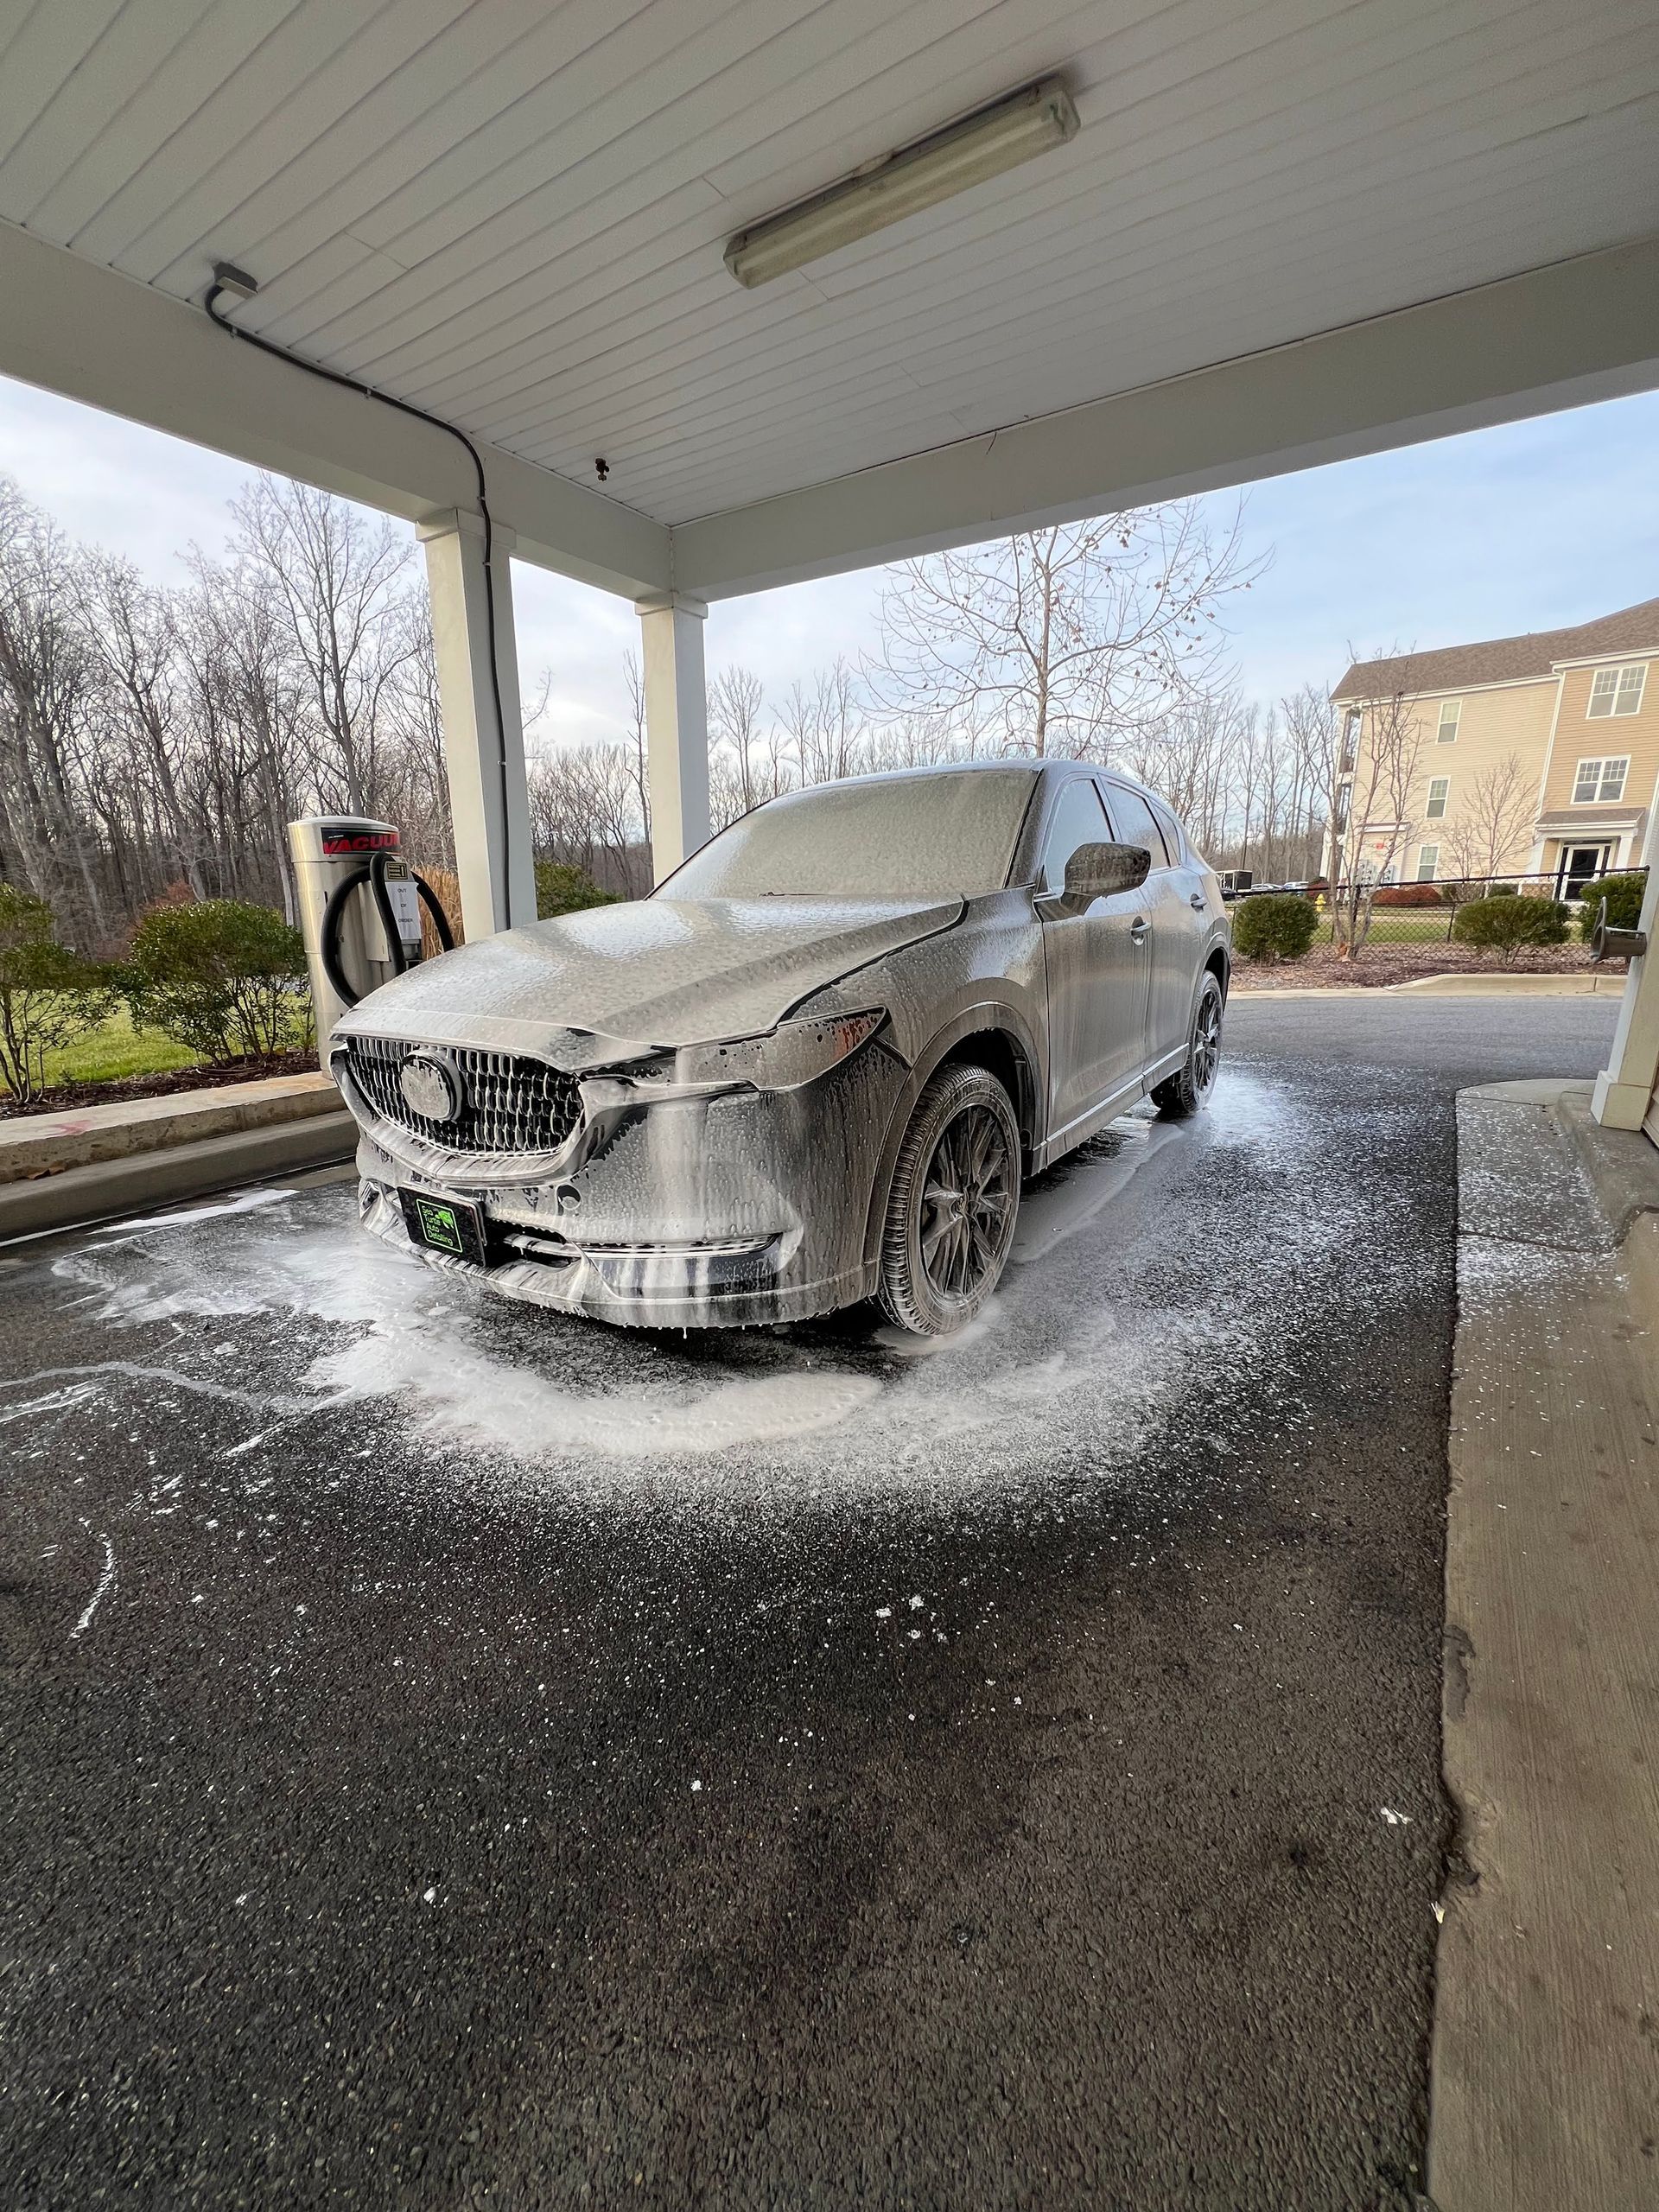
(1182, 1094)
(952, 1207)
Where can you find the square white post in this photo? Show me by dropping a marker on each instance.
(484, 753)
(1624, 1095)
(676, 728)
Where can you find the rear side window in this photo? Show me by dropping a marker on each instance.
(1171, 829)
(1132, 819)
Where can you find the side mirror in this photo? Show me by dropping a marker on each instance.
(1096, 871)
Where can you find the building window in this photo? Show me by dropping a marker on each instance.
(1350, 741)
(1339, 812)
(1618, 691)
(1437, 788)
(1451, 715)
(1599, 779)
(1429, 860)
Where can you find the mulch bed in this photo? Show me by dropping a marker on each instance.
(66, 1097)
(1378, 965)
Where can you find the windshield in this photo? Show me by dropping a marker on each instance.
(907, 836)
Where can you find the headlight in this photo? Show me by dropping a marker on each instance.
(793, 1053)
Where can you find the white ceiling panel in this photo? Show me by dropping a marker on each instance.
(513, 213)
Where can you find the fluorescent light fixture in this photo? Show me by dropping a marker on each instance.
(1011, 130)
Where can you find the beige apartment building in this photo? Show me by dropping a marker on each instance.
(1536, 755)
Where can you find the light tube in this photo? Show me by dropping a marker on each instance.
(998, 137)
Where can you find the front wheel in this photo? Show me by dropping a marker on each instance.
(951, 1210)
(1183, 1093)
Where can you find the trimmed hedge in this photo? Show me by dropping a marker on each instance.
(225, 977)
(1506, 922)
(1409, 894)
(1277, 925)
(1624, 896)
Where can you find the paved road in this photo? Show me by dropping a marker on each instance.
(434, 1776)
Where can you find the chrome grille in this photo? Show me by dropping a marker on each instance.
(512, 1105)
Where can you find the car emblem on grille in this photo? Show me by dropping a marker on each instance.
(431, 1087)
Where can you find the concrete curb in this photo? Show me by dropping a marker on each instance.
(99, 1189)
(1460, 985)
(37, 1144)
(1449, 986)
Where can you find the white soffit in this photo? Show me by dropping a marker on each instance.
(513, 213)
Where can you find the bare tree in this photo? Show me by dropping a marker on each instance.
(825, 725)
(1386, 751)
(46, 683)
(338, 579)
(1067, 639)
(1493, 817)
(1189, 755)
(638, 743)
(735, 701)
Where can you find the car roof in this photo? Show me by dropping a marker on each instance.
(1054, 766)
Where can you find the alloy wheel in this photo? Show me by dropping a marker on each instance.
(1206, 1043)
(969, 1195)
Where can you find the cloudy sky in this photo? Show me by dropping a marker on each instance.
(1527, 527)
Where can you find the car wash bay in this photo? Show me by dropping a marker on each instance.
(457, 1754)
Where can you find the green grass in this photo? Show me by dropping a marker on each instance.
(117, 1050)
(1398, 926)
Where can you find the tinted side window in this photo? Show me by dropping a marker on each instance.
(1134, 821)
(1078, 819)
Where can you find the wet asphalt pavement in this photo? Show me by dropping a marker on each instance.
(456, 1755)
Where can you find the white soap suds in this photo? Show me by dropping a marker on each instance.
(244, 1202)
(1062, 1381)
(105, 1578)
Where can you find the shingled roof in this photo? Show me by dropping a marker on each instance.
(1503, 660)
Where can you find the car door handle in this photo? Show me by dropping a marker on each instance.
(1197, 902)
(1138, 929)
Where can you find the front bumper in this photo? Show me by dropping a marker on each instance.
(746, 1207)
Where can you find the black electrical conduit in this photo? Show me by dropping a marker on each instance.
(405, 407)
(373, 872)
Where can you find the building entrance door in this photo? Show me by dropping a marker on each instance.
(1579, 864)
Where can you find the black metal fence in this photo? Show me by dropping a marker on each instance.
(1427, 913)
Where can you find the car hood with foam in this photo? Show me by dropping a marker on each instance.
(655, 972)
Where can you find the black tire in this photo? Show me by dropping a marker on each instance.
(953, 1204)
(1187, 1092)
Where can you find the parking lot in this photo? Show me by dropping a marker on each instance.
(460, 1756)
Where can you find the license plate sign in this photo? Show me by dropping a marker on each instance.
(454, 1226)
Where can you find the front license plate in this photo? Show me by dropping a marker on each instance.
(451, 1225)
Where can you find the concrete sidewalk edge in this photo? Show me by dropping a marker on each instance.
(106, 1187)
(1544, 2089)
(1452, 985)
(33, 1144)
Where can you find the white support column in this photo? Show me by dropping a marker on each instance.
(677, 726)
(1624, 1088)
(484, 751)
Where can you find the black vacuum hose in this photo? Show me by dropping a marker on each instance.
(373, 872)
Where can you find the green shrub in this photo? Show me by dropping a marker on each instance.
(563, 888)
(1624, 897)
(1279, 925)
(50, 996)
(1503, 924)
(221, 976)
